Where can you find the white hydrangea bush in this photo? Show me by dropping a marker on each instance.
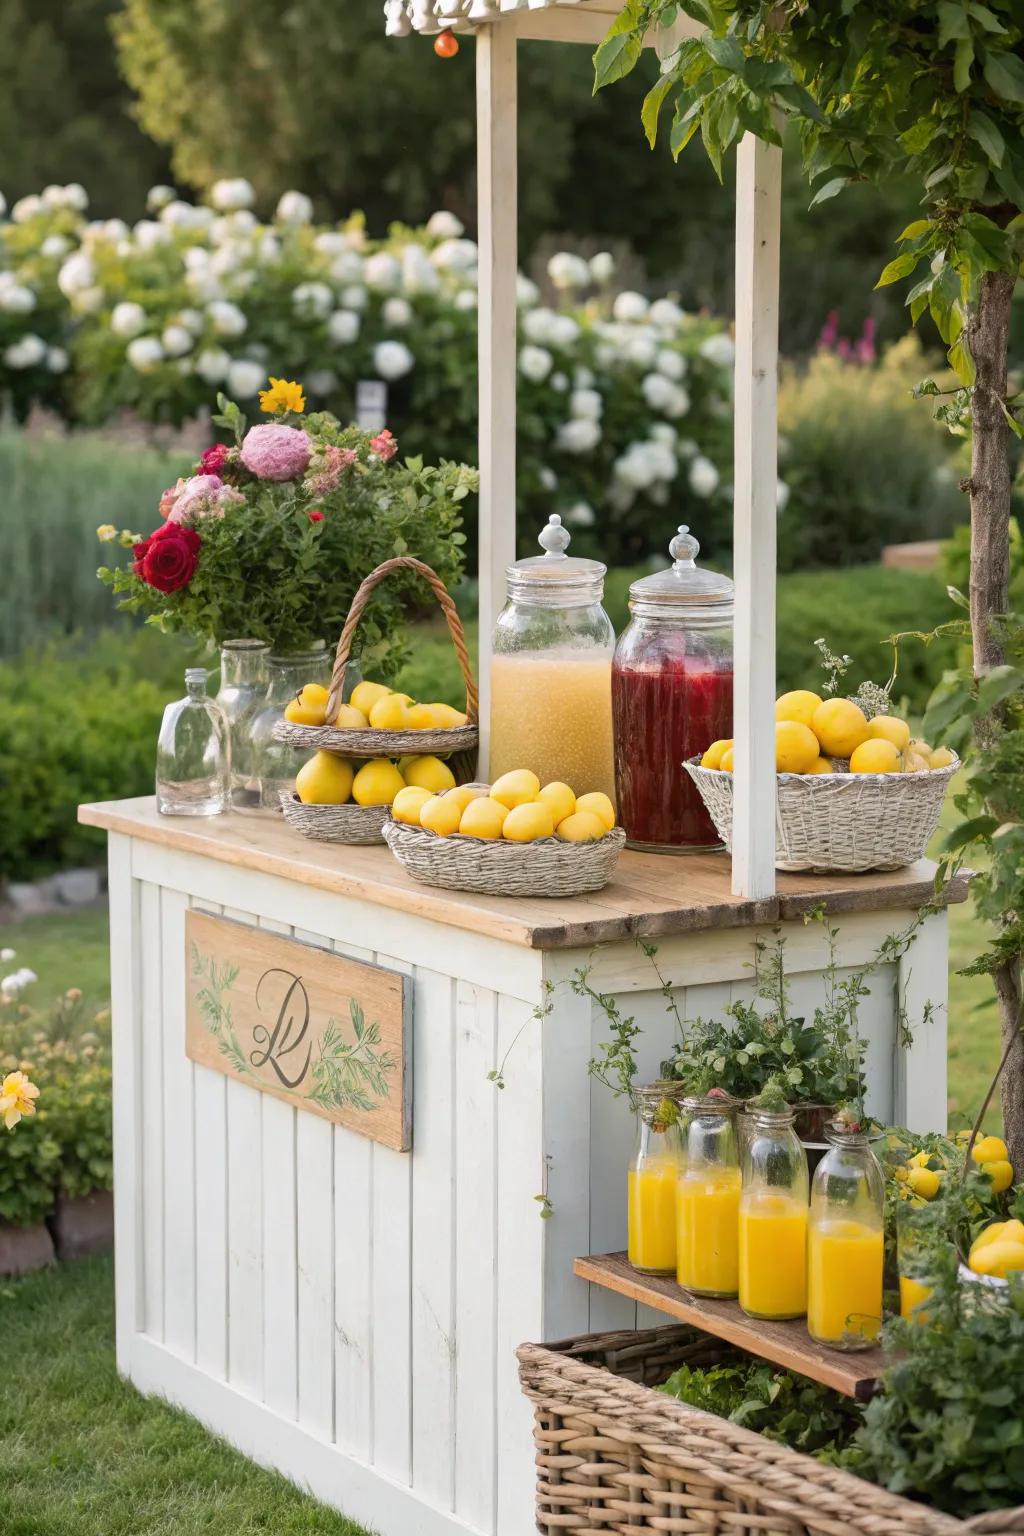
(624, 404)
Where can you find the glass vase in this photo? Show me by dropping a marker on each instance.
(276, 763)
(243, 689)
(192, 754)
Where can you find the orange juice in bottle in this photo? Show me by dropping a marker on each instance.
(708, 1198)
(845, 1244)
(651, 1180)
(773, 1213)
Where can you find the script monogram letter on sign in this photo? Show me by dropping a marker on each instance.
(324, 1032)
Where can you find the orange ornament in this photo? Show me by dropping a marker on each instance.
(446, 44)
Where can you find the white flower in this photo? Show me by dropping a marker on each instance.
(87, 300)
(455, 256)
(56, 360)
(392, 359)
(268, 248)
(10, 986)
(397, 313)
(644, 465)
(316, 299)
(158, 197)
(662, 395)
(354, 296)
(568, 271)
(176, 340)
(76, 197)
(527, 292)
(245, 378)
(232, 192)
(26, 352)
(331, 242)
(182, 215)
(347, 268)
(578, 436)
(581, 515)
(382, 272)
(583, 378)
(76, 274)
(114, 230)
(233, 226)
(148, 234)
(560, 381)
(192, 319)
(294, 208)
(6, 956)
(321, 381)
(16, 299)
(26, 208)
(204, 287)
(343, 327)
(665, 314)
(629, 306)
(663, 432)
(443, 225)
(640, 349)
(212, 365)
(419, 275)
(704, 477)
(602, 267)
(548, 478)
(226, 318)
(672, 364)
(55, 246)
(145, 353)
(466, 299)
(781, 495)
(685, 447)
(127, 319)
(547, 328)
(535, 363)
(586, 404)
(196, 258)
(225, 260)
(719, 349)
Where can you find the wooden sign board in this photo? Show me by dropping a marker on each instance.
(325, 1033)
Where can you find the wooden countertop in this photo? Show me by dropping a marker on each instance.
(650, 894)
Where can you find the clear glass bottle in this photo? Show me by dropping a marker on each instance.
(652, 1178)
(773, 1218)
(708, 1197)
(551, 670)
(193, 754)
(845, 1247)
(275, 763)
(671, 698)
(243, 688)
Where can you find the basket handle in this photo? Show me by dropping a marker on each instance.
(355, 613)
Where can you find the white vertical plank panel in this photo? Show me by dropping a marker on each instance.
(179, 1146)
(314, 1248)
(758, 203)
(565, 1041)
(152, 1137)
(479, 1105)
(353, 1281)
(497, 171)
(211, 1161)
(126, 1021)
(245, 1228)
(391, 1313)
(920, 1069)
(519, 1288)
(433, 1238)
(280, 1295)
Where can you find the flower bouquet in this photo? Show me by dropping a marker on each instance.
(273, 533)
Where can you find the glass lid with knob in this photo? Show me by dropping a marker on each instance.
(555, 577)
(684, 591)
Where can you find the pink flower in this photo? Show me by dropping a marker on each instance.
(203, 496)
(273, 452)
(212, 461)
(329, 466)
(315, 515)
(170, 496)
(384, 445)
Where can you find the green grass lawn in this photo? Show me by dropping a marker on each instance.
(84, 1454)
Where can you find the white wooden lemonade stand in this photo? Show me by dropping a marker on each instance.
(346, 1306)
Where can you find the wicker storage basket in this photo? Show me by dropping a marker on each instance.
(462, 739)
(615, 1456)
(839, 822)
(353, 824)
(547, 867)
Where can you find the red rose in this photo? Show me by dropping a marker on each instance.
(168, 558)
(315, 515)
(212, 461)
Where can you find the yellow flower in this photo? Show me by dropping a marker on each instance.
(16, 1098)
(106, 533)
(283, 395)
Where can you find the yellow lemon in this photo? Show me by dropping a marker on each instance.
(423, 717)
(366, 695)
(993, 1233)
(920, 1159)
(916, 744)
(990, 1149)
(408, 803)
(999, 1259)
(448, 717)
(441, 815)
(798, 705)
(713, 756)
(821, 765)
(582, 827)
(349, 718)
(727, 760)
(377, 783)
(483, 817)
(888, 728)
(913, 762)
(876, 756)
(924, 1182)
(390, 713)
(309, 706)
(600, 805)
(1000, 1171)
(527, 821)
(559, 799)
(462, 794)
(942, 757)
(796, 747)
(429, 773)
(517, 787)
(324, 780)
(840, 727)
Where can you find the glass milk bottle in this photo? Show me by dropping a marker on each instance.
(192, 754)
(845, 1249)
(773, 1218)
(243, 687)
(671, 697)
(708, 1197)
(651, 1180)
(551, 670)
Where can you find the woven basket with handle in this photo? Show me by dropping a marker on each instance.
(613, 1455)
(353, 824)
(463, 739)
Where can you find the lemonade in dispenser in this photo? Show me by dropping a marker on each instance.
(551, 670)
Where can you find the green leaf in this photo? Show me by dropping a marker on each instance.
(961, 361)
(800, 101)
(1015, 426)
(985, 17)
(918, 227)
(726, 53)
(618, 53)
(684, 130)
(830, 189)
(984, 131)
(962, 61)
(651, 110)
(967, 832)
(998, 685)
(952, 22)
(1004, 74)
(900, 266)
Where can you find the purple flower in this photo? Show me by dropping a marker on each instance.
(273, 452)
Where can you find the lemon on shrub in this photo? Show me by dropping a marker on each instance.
(798, 706)
(924, 1182)
(409, 802)
(527, 821)
(440, 815)
(366, 695)
(599, 805)
(713, 756)
(876, 756)
(990, 1149)
(516, 787)
(377, 783)
(840, 727)
(1000, 1172)
(796, 747)
(559, 799)
(483, 817)
(324, 780)
(581, 827)
(309, 706)
(428, 773)
(998, 1259)
(888, 728)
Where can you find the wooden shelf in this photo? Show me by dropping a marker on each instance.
(787, 1344)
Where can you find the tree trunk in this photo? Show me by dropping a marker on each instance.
(990, 487)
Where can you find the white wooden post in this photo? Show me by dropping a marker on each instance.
(920, 1067)
(758, 199)
(497, 236)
